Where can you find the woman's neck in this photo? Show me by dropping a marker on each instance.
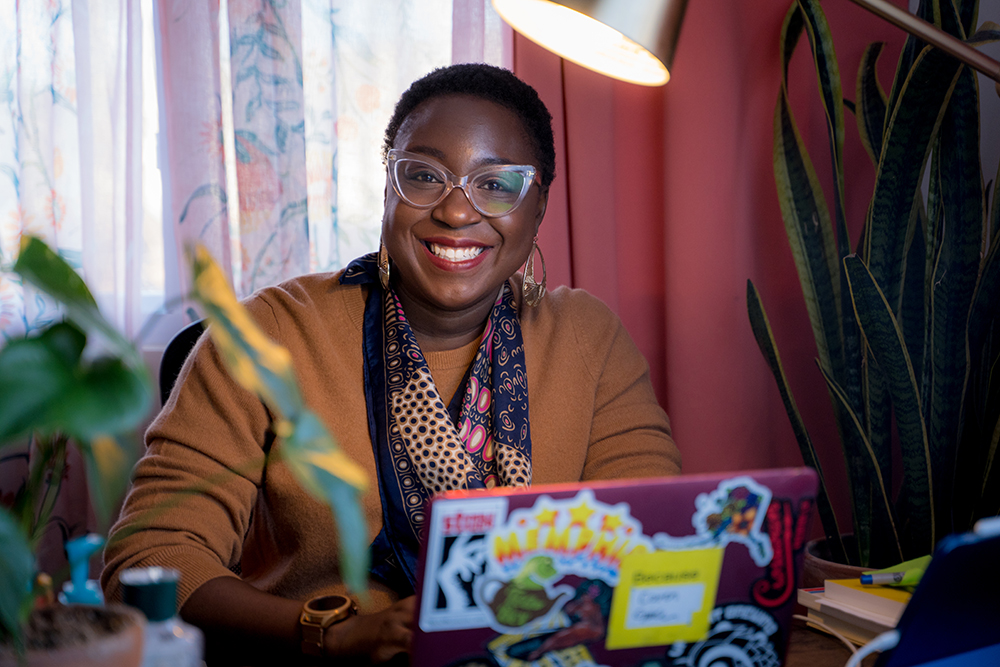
(437, 330)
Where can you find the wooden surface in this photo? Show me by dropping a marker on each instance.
(811, 648)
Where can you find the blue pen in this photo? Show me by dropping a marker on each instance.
(883, 578)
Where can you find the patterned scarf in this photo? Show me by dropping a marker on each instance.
(419, 451)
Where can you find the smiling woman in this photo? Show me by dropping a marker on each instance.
(435, 363)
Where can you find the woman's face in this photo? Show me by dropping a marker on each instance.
(451, 258)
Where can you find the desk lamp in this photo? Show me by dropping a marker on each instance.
(634, 40)
(630, 40)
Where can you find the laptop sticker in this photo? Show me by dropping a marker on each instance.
(740, 634)
(663, 597)
(456, 556)
(788, 532)
(733, 512)
(564, 640)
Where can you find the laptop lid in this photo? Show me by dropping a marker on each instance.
(953, 617)
(670, 571)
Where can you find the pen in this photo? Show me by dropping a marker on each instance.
(903, 578)
(884, 578)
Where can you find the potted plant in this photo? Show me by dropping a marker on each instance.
(60, 392)
(906, 323)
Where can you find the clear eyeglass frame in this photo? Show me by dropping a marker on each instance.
(481, 200)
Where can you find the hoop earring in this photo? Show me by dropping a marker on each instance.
(531, 289)
(383, 265)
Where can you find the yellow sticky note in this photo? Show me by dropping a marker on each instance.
(663, 597)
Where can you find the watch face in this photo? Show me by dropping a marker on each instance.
(327, 603)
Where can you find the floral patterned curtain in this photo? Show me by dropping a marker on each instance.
(313, 84)
(310, 84)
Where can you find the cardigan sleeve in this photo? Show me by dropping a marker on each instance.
(194, 490)
(630, 433)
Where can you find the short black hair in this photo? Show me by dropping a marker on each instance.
(493, 84)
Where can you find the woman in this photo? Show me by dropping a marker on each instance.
(437, 331)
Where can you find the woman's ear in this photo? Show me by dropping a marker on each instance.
(543, 201)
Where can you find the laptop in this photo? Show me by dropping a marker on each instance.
(690, 570)
(953, 618)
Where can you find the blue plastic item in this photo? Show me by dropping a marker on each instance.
(79, 589)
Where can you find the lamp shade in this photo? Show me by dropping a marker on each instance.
(631, 40)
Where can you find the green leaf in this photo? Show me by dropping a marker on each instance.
(885, 339)
(17, 567)
(36, 372)
(912, 127)
(106, 398)
(322, 468)
(109, 464)
(831, 92)
(954, 281)
(46, 270)
(871, 102)
(866, 476)
(807, 223)
(49, 389)
(765, 341)
(987, 33)
(262, 366)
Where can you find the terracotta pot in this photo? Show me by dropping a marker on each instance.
(113, 637)
(817, 566)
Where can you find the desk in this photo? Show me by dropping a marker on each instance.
(811, 648)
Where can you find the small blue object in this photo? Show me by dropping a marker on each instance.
(79, 589)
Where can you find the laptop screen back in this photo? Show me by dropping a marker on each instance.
(638, 572)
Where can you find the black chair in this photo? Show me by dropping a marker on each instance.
(176, 352)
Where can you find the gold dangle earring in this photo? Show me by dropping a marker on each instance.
(383, 265)
(531, 289)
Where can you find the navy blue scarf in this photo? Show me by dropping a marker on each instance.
(423, 447)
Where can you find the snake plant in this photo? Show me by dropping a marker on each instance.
(907, 323)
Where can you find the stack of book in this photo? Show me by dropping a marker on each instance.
(858, 612)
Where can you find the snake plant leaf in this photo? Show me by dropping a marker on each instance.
(987, 33)
(867, 475)
(828, 77)
(911, 49)
(17, 567)
(885, 339)
(978, 454)
(954, 281)
(871, 102)
(951, 21)
(46, 270)
(913, 124)
(264, 367)
(765, 341)
(807, 224)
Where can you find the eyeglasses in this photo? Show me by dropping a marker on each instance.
(493, 190)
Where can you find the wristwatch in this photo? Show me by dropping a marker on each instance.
(320, 613)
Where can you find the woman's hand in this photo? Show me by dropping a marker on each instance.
(377, 637)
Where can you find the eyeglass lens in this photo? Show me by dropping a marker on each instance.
(493, 192)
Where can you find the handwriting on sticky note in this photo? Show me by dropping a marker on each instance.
(657, 606)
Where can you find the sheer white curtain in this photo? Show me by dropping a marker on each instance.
(298, 101)
(265, 144)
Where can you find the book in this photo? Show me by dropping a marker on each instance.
(858, 625)
(884, 601)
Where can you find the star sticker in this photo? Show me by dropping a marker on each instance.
(579, 515)
(611, 523)
(547, 518)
